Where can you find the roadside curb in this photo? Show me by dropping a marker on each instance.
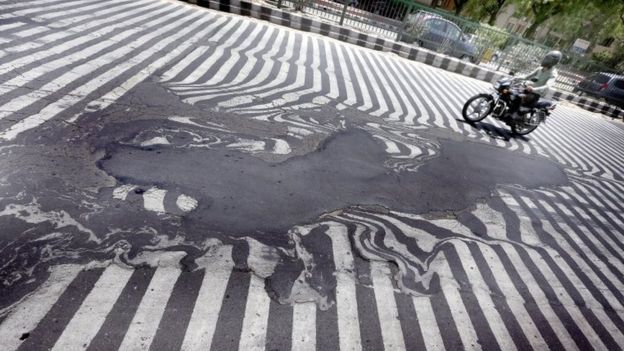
(348, 35)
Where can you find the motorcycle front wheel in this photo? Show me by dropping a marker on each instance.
(478, 107)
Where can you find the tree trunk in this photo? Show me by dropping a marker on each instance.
(492, 19)
(434, 3)
(530, 32)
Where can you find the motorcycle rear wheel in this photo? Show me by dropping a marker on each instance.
(477, 107)
(523, 129)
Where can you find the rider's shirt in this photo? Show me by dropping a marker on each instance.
(542, 78)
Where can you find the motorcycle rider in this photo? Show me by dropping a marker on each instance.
(541, 79)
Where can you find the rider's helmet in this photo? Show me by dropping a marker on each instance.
(552, 58)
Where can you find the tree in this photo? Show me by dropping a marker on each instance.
(541, 10)
(459, 5)
(486, 9)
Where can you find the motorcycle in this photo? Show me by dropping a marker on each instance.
(499, 103)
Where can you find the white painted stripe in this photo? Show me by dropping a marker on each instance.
(78, 72)
(253, 334)
(154, 200)
(10, 26)
(346, 299)
(386, 306)
(219, 50)
(25, 316)
(480, 289)
(180, 66)
(428, 323)
(144, 325)
(111, 22)
(31, 31)
(304, 327)
(538, 294)
(78, 94)
(450, 289)
(87, 321)
(515, 301)
(203, 323)
(121, 192)
(126, 86)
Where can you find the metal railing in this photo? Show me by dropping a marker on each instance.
(443, 32)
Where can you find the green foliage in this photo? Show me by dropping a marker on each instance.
(490, 36)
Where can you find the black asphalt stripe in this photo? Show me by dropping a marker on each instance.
(616, 206)
(243, 57)
(190, 66)
(349, 65)
(101, 6)
(344, 34)
(473, 223)
(370, 329)
(226, 57)
(29, 5)
(600, 205)
(54, 74)
(596, 270)
(444, 319)
(276, 66)
(178, 312)
(396, 71)
(436, 86)
(489, 76)
(61, 17)
(396, 85)
(532, 308)
(79, 107)
(369, 59)
(16, 56)
(566, 319)
(286, 86)
(567, 284)
(49, 329)
(46, 9)
(481, 326)
(259, 63)
(279, 328)
(587, 241)
(512, 221)
(230, 322)
(412, 72)
(338, 74)
(327, 334)
(591, 223)
(412, 335)
(412, 53)
(114, 328)
(500, 301)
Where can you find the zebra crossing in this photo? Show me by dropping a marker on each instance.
(528, 269)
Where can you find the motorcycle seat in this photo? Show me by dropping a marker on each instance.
(543, 103)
